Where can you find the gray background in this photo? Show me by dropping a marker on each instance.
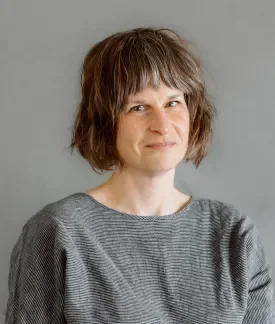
(42, 46)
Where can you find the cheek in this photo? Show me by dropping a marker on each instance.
(128, 134)
(182, 121)
(182, 128)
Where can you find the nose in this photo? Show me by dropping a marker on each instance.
(160, 122)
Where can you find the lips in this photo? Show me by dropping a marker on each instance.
(162, 144)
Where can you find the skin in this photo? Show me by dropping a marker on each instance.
(145, 185)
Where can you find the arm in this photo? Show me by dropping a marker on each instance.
(260, 303)
(36, 276)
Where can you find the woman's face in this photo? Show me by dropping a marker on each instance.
(153, 116)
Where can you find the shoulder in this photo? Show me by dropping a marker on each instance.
(224, 216)
(222, 210)
(58, 214)
(237, 230)
(234, 224)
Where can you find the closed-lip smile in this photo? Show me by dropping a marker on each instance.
(161, 144)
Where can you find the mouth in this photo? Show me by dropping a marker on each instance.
(161, 145)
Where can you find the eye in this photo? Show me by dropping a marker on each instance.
(134, 108)
(177, 102)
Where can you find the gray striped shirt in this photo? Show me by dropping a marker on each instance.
(78, 261)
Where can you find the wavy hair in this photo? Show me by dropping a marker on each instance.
(123, 64)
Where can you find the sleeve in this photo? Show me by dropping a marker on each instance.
(36, 275)
(260, 308)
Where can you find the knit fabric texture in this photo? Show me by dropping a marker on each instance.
(78, 261)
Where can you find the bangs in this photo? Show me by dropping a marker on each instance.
(146, 61)
(124, 64)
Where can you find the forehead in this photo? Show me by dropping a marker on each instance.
(162, 92)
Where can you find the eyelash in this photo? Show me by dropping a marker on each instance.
(142, 105)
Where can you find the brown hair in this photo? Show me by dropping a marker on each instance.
(124, 64)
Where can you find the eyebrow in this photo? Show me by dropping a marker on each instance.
(137, 101)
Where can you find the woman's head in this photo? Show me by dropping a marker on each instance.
(150, 65)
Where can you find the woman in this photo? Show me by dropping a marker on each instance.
(135, 249)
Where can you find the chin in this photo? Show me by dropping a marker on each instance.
(169, 162)
(160, 167)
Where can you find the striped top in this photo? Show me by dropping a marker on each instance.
(78, 261)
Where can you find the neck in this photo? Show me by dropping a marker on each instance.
(137, 193)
